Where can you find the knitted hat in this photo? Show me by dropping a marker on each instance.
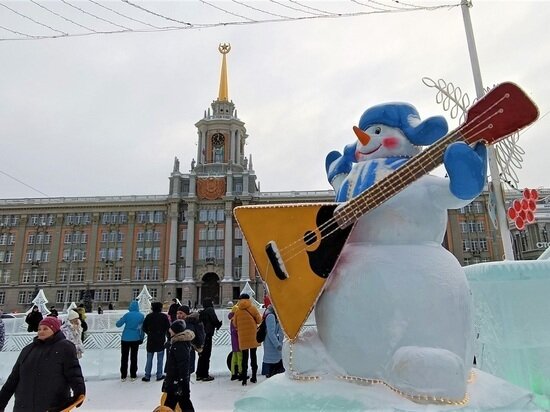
(185, 309)
(244, 296)
(51, 322)
(72, 315)
(178, 326)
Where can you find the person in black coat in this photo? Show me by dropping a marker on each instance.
(33, 319)
(172, 310)
(176, 384)
(45, 373)
(194, 324)
(155, 326)
(211, 323)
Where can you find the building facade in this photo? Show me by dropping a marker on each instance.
(185, 244)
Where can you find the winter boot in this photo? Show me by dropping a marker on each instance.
(244, 378)
(253, 378)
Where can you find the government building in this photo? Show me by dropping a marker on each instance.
(185, 244)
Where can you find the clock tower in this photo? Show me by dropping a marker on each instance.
(208, 257)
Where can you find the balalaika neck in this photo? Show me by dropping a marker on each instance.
(420, 165)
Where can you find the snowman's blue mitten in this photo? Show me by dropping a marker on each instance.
(337, 164)
(467, 169)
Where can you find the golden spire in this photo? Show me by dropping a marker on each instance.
(223, 94)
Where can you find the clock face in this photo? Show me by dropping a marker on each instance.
(218, 140)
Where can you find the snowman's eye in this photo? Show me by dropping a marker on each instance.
(378, 130)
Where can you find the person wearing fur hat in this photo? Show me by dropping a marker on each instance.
(194, 324)
(46, 375)
(155, 326)
(176, 384)
(246, 320)
(73, 332)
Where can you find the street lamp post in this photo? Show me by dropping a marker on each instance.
(70, 258)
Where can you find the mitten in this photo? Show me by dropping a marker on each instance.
(467, 169)
(338, 165)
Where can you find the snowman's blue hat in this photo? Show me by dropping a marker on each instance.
(405, 117)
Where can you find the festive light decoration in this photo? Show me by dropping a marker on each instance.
(522, 210)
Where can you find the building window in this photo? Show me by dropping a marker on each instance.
(154, 293)
(220, 233)
(465, 245)
(211, 234)
(220, 215)
(2, 297)
(238, 251)
(203, 215)
(202, 252)
(202, 234)
(483, 245)
(24, 298)
(5, 275)
(183, 234)
(466, 261)
(219, 252)
(183, 250)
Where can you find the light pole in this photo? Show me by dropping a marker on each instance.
(70, 258)
(502, 220)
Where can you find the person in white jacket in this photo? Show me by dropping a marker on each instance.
(73, 332)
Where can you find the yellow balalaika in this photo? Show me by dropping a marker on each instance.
(296, 246)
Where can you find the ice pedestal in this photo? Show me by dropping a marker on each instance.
(512, 316)
(280, 393)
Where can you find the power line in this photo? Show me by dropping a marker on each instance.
(23, 183)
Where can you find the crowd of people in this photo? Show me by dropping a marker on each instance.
(182, 337)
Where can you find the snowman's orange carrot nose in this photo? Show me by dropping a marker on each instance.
(362, 136)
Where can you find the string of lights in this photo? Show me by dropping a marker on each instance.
(260, 10)
(93, 15)
(61, 16)
(134, 21)
(123, 15)
(227, 11)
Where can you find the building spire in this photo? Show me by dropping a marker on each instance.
(223, 94)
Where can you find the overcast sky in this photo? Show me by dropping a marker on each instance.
(105, 114)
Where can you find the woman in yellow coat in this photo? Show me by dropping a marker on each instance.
(246, 320)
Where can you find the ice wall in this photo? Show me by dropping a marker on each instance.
(512, 317)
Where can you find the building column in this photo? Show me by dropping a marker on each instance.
(228, 243)
(173, 242)
(229, 183)
(190, 247)
(246, 262)
(245, 182)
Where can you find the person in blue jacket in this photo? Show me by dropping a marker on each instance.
(132, 337)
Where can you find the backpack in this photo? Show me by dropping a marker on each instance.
(261, 332)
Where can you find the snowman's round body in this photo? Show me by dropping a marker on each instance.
(397, 306)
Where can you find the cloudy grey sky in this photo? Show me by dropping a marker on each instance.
(105, 114)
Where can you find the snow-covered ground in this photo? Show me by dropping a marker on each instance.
(105, 391)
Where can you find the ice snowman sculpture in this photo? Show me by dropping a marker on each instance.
(397, 307)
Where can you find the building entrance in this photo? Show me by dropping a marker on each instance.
(211, 287)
